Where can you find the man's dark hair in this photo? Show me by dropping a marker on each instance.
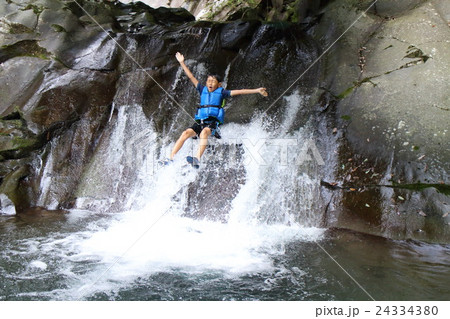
(216, 76)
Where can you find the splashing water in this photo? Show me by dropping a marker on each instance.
(155, 237)
(102, 252)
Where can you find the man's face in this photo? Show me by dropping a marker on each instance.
(212, 83)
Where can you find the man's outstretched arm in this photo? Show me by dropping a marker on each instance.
(188, 72)
(261, 91)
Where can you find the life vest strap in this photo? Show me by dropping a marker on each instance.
(203, 106)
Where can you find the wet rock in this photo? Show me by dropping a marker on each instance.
(6, 206)
(234, 34)
(255, 10)
(12, 187)
(402, 79)
(388, 65)
(24, 48)
(274, 49)
(57, 101)
(19, 79)
(211, 195)
(389, 8)
(22, 20)
(16, 141)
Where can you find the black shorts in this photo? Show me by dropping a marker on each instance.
(214, 126)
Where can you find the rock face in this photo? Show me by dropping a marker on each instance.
(204, 9)
(60, 63)
(229, 10)
(393, 107)
(72, 77)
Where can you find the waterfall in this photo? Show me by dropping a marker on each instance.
(257, 189)
(277, 172)
(261, 190)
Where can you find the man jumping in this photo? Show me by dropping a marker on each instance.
(210, 114)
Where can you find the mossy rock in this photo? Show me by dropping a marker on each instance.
(10, 186)
(28, 48)
(16, 141)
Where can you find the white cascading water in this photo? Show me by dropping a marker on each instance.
(153, 236)
(274, 205)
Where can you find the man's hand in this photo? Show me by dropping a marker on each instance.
(263, 92)
(189, 74)
(179, 57)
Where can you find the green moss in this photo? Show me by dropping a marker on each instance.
(7, 125)
(355, 85)
(21, 143)
(412, 53)
(36, 8)
(346, 93)
(17, 28)
(292, 11)
(25, 48)
(235, 3)
(346, 117)
(58, 28)
(441, 188)
(230, 4)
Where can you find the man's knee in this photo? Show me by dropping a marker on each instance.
(205, 133)
(188, 133)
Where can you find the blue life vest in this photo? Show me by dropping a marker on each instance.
(211, 105)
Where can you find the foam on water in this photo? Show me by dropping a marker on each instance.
(141, 244)
(272, 208)
(38, 264)
(156, 237)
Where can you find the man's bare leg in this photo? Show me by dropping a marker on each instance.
(204, 135)
(179, 143)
